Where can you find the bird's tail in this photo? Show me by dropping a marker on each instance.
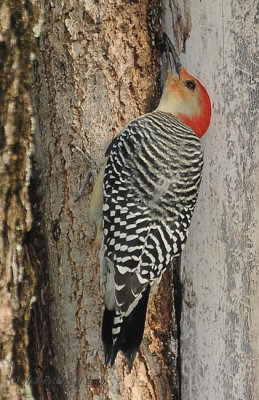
(124, 333)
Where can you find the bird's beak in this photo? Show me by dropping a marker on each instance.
(173, 59)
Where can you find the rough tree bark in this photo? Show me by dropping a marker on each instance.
(17, 269)
(94, 70)
(220, 274)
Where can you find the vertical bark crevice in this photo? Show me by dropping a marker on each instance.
(181, 22)
(43, 379)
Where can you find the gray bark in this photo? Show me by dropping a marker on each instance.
(220, 265)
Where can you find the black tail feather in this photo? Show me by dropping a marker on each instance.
(110, 351)
(131, 333)
(133, 329)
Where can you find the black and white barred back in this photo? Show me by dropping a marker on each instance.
(151, 183)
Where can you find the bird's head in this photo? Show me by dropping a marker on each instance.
(184, 96)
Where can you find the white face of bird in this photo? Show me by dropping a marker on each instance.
(180, 96)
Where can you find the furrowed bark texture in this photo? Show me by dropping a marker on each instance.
(94, 70)
(17, 276)
(220, 319)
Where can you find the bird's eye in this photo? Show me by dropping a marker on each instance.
(190, 84)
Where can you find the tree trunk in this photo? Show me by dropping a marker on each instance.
(94, 70)
(220, 323)
(17, 276)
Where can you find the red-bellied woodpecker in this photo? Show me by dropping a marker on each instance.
(144, 198)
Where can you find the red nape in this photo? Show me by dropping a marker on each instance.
(198, 124)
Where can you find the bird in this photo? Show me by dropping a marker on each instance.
(143, 201)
